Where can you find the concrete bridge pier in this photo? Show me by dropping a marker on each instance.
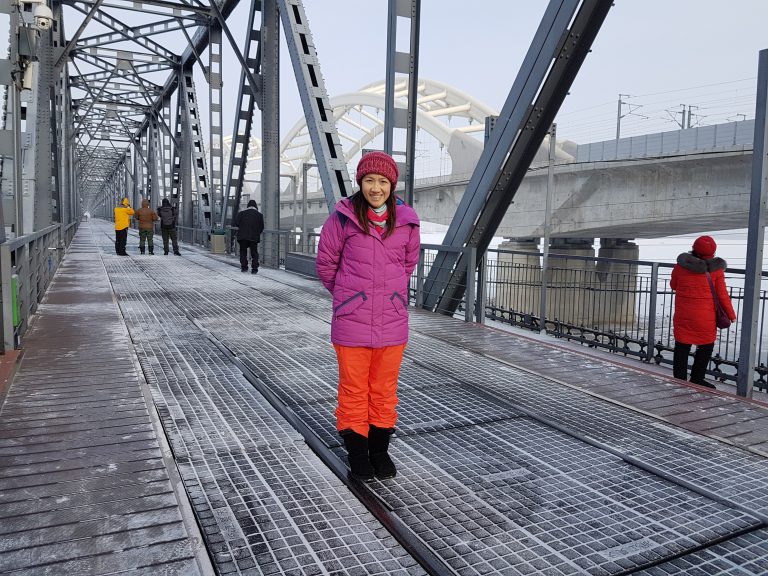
(569, 281)
(617, 282)
(579, 291)
(518, 276)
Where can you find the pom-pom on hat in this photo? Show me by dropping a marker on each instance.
(377, 163)
(705, 247)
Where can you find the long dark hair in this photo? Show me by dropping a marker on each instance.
(360, 204)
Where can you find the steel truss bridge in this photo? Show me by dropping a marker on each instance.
(113, 98)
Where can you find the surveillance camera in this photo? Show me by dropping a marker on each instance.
(43, 17)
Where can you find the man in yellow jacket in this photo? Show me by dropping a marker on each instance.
(122, 222)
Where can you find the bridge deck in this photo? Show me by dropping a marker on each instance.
(84, 484)
(515, 457)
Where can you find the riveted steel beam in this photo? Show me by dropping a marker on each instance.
(321, 124)
(402, 63)
(559, 47)
(248, 95)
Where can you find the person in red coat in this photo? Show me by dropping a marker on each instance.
(694, 319)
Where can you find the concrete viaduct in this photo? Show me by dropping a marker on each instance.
(676, 182)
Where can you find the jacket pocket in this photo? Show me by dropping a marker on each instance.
(399, 303)
(350, 304)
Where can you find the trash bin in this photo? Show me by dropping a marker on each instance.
(218, 242)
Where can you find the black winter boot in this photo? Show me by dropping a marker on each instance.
(141, 249)
(378, 445)
(357, 455)
(151, 251)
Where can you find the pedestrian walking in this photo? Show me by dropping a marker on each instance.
(368, 248)
(147, 218)
(698, 280)
(123, 213)
(250, 225)
(169, 216)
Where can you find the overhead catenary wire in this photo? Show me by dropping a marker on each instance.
(713, 103)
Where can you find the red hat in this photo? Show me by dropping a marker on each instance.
(705, 247)
(377, 163)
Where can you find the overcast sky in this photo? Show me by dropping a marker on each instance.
(663, 52)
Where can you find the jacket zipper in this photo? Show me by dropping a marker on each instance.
(397, 294)
(348, 300)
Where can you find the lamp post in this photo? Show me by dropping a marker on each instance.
(304, 169)
(547, 224)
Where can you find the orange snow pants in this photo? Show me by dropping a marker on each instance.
(367, 387)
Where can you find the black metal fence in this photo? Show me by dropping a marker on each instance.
(275, 244)
(623, 306)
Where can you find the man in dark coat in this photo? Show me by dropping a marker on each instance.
(168, 220)
(250, 225)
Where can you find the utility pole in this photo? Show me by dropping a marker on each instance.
(685, 121)
(630, 112)
(619, 115)
(690, 113)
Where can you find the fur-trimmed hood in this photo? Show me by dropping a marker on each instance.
(698, 265)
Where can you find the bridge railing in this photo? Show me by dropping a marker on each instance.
(195, 236)
(274, 245)
(27, 265)
(622, 306)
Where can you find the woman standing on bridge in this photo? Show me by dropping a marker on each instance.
(368, 248)
(694, 319)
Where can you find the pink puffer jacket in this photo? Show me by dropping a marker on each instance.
(368, 277)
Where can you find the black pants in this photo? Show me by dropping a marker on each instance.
(121, 238)
(700, 361)
(254, 246)
(169, 234)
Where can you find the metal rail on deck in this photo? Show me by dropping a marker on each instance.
(380, 510)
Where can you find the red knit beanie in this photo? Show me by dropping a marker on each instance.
(377, 163)
(705, 247)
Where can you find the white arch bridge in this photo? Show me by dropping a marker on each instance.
(454, 120)
(698, 173)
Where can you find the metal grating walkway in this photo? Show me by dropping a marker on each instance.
(266, 503)
(514, 457)
(84, 487)
(503, 470)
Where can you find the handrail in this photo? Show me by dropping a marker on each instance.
(622, 305)
(27, 266)
(19, 241)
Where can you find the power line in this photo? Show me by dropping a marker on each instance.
(631, 111)
(696, 87)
